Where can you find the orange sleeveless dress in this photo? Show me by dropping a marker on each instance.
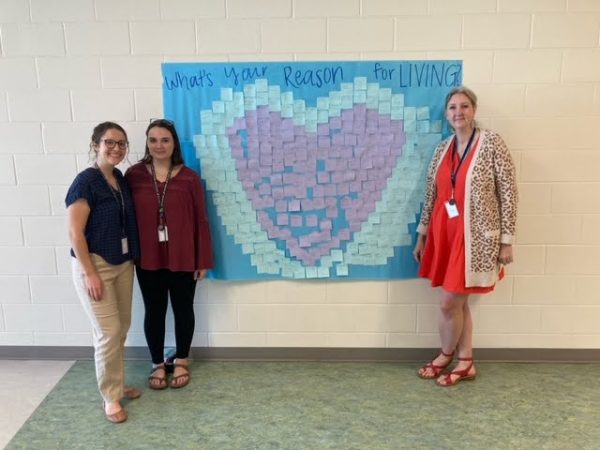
(443, 260)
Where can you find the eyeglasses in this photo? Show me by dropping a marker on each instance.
(111, 144)
(162, 121)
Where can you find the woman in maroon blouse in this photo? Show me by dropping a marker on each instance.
(175, 246)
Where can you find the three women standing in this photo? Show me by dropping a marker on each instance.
(467, 229)
(176, 246)
(104, 243)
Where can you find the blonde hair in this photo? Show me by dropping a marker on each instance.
(462, 90)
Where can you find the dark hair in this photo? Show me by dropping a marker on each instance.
(176, 157)
(100, 130)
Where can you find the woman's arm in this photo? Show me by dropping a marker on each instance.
(77, 214)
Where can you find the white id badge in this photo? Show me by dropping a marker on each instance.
(124, 246)
(163, 235)
(451, 209)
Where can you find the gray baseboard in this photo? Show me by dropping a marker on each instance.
(313, 354)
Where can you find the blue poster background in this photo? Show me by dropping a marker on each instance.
(312, 169)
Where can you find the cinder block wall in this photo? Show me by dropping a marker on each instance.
(67, 64)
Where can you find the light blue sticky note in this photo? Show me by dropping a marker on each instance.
(226, 94)
(287, 98)
(385, 107)
(347, 88)
(287, 111)
(423, 113)
(312, 272)
(218, 107)
(341, 270)
(323, 272)
(337, 255)
(247, 248)
(250, 103)
(300, 273)
(385, 95)
(360, 96)
(322, 116)
(326, 261)
(423, 126)
(410, 125)
(410, 113)
(360, 83)
(299, 106)
(398, 100)
(249, 90)
(347, 101)
(322, 103)
(261, 85)
(262, 98)
(436, 126)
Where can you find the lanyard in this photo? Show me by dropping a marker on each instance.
(161, 196)
(454, 172)
(118, 199)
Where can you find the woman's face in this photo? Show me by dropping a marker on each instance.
(460, 112)
(160, 144)
(112, 148)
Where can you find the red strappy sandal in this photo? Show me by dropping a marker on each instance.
(437, 370)
(463, 375)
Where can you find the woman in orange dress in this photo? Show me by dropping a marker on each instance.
(466, 230)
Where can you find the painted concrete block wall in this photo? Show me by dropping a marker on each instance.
(67, 64)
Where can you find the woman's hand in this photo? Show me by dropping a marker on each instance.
(506, 254)
(94, 286)
(199, 275)
(419, 247)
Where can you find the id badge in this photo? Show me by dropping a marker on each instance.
(163, 234)
(124, 246)
(451, 209)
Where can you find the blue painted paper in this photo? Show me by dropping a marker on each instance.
(315, 169)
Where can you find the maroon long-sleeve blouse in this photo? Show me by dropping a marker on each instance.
(189, 245)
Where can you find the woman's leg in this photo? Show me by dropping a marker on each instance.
(450, 326)
(182, 289)
(106, 330)
(451, 319)
(154, 287)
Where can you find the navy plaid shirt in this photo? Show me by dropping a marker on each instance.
(103, 229)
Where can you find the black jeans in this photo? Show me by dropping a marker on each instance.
(156, 287)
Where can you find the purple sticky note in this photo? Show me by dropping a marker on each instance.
(311, 220)
(294, 205)
(283, 219)
(296, 220)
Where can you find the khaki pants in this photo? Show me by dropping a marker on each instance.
(110, 318)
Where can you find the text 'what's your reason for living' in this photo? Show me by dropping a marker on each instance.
(404, 75)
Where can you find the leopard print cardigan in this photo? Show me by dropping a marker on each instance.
(490, 205)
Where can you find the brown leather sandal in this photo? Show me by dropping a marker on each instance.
(131, 393)
(119, 417)
(155, 382)
(175, 384)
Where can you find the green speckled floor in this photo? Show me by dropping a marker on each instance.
(314, 405)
